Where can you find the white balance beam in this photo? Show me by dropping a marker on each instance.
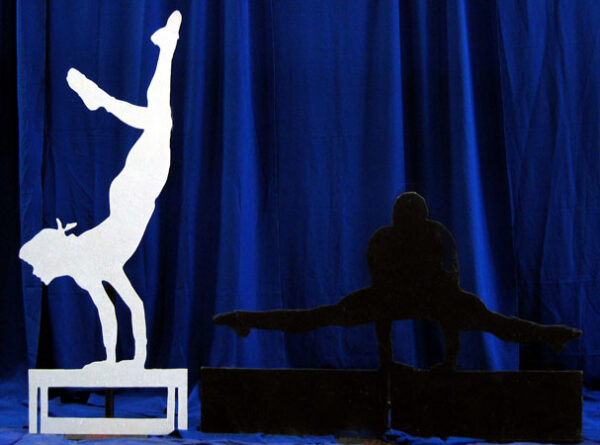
(40, 380)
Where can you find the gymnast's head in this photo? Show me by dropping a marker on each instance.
(45, 252)
(410, 208)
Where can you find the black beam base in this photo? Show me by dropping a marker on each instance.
(292, 401)
(500, 406)
(538, 406)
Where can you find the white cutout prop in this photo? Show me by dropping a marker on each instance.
(40, 380)
(100, 253)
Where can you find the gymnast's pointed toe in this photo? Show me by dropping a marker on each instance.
(174, 21)
(232, 320)
(559, 336)
(169, 34)
(226, 319)
(87, 90)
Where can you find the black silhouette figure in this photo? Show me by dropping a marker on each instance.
(414, 275)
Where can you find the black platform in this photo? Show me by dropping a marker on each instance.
(291, 401)
(500, 406)
(536, 406)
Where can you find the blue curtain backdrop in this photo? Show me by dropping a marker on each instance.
(296, 123)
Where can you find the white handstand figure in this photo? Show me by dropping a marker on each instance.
(100, 253)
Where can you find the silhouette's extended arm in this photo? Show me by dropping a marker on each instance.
(95, 97)
(123, 286)
(384, 342)
(450, 259)
(108, 317)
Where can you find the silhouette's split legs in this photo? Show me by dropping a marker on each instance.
(293, 321)
(514, 329)
(353, 310)
(465, 312)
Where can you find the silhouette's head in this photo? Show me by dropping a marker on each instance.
(44, 251)
(410, 208)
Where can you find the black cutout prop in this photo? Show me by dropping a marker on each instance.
(414, 275)
(535, 406)
(292, 401)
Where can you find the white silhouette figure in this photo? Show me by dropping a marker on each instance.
(100, 253)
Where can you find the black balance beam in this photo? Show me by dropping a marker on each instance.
(538, 406)
(542, 406)
(292, 401)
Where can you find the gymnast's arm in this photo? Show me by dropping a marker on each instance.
(449, 260)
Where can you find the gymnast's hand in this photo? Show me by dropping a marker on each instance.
(234, 321)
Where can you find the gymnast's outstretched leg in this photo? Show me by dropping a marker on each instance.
(293, 321)
(514, 329)
(158, 93)
(366, 305)
(147, 165)
(518, 330)
(353, 310)
(472, 315)
(95, 97)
